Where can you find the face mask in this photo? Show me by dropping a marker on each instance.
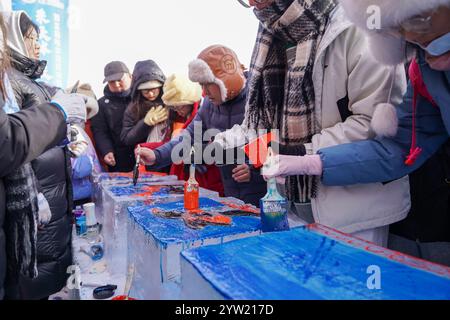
(439, 46)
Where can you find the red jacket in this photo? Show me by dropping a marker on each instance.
(210, 180)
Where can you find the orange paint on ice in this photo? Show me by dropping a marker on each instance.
(245, 207)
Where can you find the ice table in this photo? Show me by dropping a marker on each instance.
(103, 180)
(155, 244)
(116, 196)
(312, 262)
(91, 272)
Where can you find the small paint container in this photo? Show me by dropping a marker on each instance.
(97, 251)
(81, 225)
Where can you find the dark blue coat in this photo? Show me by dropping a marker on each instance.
(382, 160)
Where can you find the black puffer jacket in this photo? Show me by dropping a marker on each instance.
(22, 140)
(52, 170)
(135, 130)
(107, 127)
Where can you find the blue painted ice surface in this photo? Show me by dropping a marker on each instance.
(130, 190)
(173, 231)
(304, 265)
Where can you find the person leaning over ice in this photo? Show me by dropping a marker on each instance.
(411, 133)
(222, 77)
(312, 77)
(184, 97)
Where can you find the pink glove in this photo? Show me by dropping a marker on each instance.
(285, 166)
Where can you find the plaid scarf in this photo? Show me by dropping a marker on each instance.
(22, 211)
(281, 89)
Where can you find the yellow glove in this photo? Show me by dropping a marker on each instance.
(156, 115)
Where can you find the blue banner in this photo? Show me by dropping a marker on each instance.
(52, 18)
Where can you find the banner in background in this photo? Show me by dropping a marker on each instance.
(52, 18)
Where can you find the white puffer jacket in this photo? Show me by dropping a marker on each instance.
(345, 71)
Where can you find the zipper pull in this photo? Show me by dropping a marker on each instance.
(414, 154)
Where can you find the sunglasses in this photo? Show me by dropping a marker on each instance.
(147, 91)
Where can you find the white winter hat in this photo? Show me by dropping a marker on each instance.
(152, 84)
(384, 47)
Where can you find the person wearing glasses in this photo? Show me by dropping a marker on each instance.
(146, 117)
(313, 79)
(412, 132)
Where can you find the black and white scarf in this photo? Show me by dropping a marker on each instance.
(22, 222)
(281, 89)
(22, 209)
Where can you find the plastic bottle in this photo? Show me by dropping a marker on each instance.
(191, 190)
(274, 207)
(91, 222)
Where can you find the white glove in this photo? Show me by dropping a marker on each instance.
(45, 214)
(78, 144)
(281, 167)
(238, 136)
(73, 106)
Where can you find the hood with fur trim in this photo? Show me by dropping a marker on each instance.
(220, 65)
(392, 12)
(386, 48)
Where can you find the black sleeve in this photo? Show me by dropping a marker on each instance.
(102, 136)
(133, 132)
(27, 134)
(289, 150)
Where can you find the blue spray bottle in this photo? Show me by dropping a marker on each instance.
(274, 207)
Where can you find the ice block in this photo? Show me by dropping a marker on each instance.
(155, 244)
(116, 196)
(309, 263)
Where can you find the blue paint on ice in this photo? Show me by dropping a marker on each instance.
(140, 188)
(174, 231)
(302, 264)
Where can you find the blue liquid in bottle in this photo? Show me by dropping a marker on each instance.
(274, 208)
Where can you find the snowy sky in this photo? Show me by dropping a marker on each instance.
(171, 32)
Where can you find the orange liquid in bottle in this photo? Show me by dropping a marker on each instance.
(191, 192)
(191, 195)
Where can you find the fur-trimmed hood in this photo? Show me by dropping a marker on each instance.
(392, 12)
(386, 48)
